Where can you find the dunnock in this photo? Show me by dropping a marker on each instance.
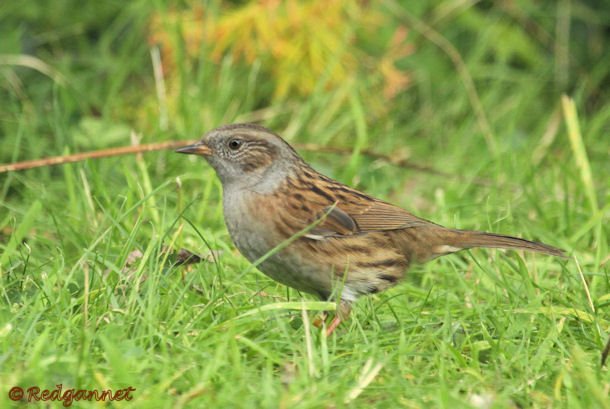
(345, 243)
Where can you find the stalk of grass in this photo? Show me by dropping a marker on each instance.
(580, 153)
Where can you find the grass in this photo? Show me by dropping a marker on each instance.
(90, 298)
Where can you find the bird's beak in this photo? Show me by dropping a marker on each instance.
(198, 148)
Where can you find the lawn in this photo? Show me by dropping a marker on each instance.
(477, 115)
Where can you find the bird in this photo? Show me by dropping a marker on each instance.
(317, 235)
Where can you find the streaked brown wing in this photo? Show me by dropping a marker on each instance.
(361, 216)
(378, 215)
(345, 211)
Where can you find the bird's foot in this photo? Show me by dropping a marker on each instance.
(342, 313)
(319, 321)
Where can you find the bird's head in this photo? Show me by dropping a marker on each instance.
(245, 155)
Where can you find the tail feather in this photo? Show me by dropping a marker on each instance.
(465, 239)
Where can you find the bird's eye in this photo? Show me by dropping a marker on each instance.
(235, 144)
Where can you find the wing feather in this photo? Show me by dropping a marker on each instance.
(378, 215)
(349, 218)
(344, 211)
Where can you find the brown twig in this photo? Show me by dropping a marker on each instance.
(102, 153)
(397, 160)
(151, 147)
(394, 160)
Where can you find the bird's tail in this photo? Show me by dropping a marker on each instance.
(464, 239)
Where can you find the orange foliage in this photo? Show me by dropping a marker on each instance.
(297, 42)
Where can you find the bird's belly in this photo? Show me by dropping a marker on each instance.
(320, 267)
(282, 265)
(256, 239)
(358, 265)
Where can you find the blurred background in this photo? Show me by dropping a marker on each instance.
(448, 74)
(490, 115)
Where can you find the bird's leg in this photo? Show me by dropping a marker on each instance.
(343, 310)
(333, 325)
